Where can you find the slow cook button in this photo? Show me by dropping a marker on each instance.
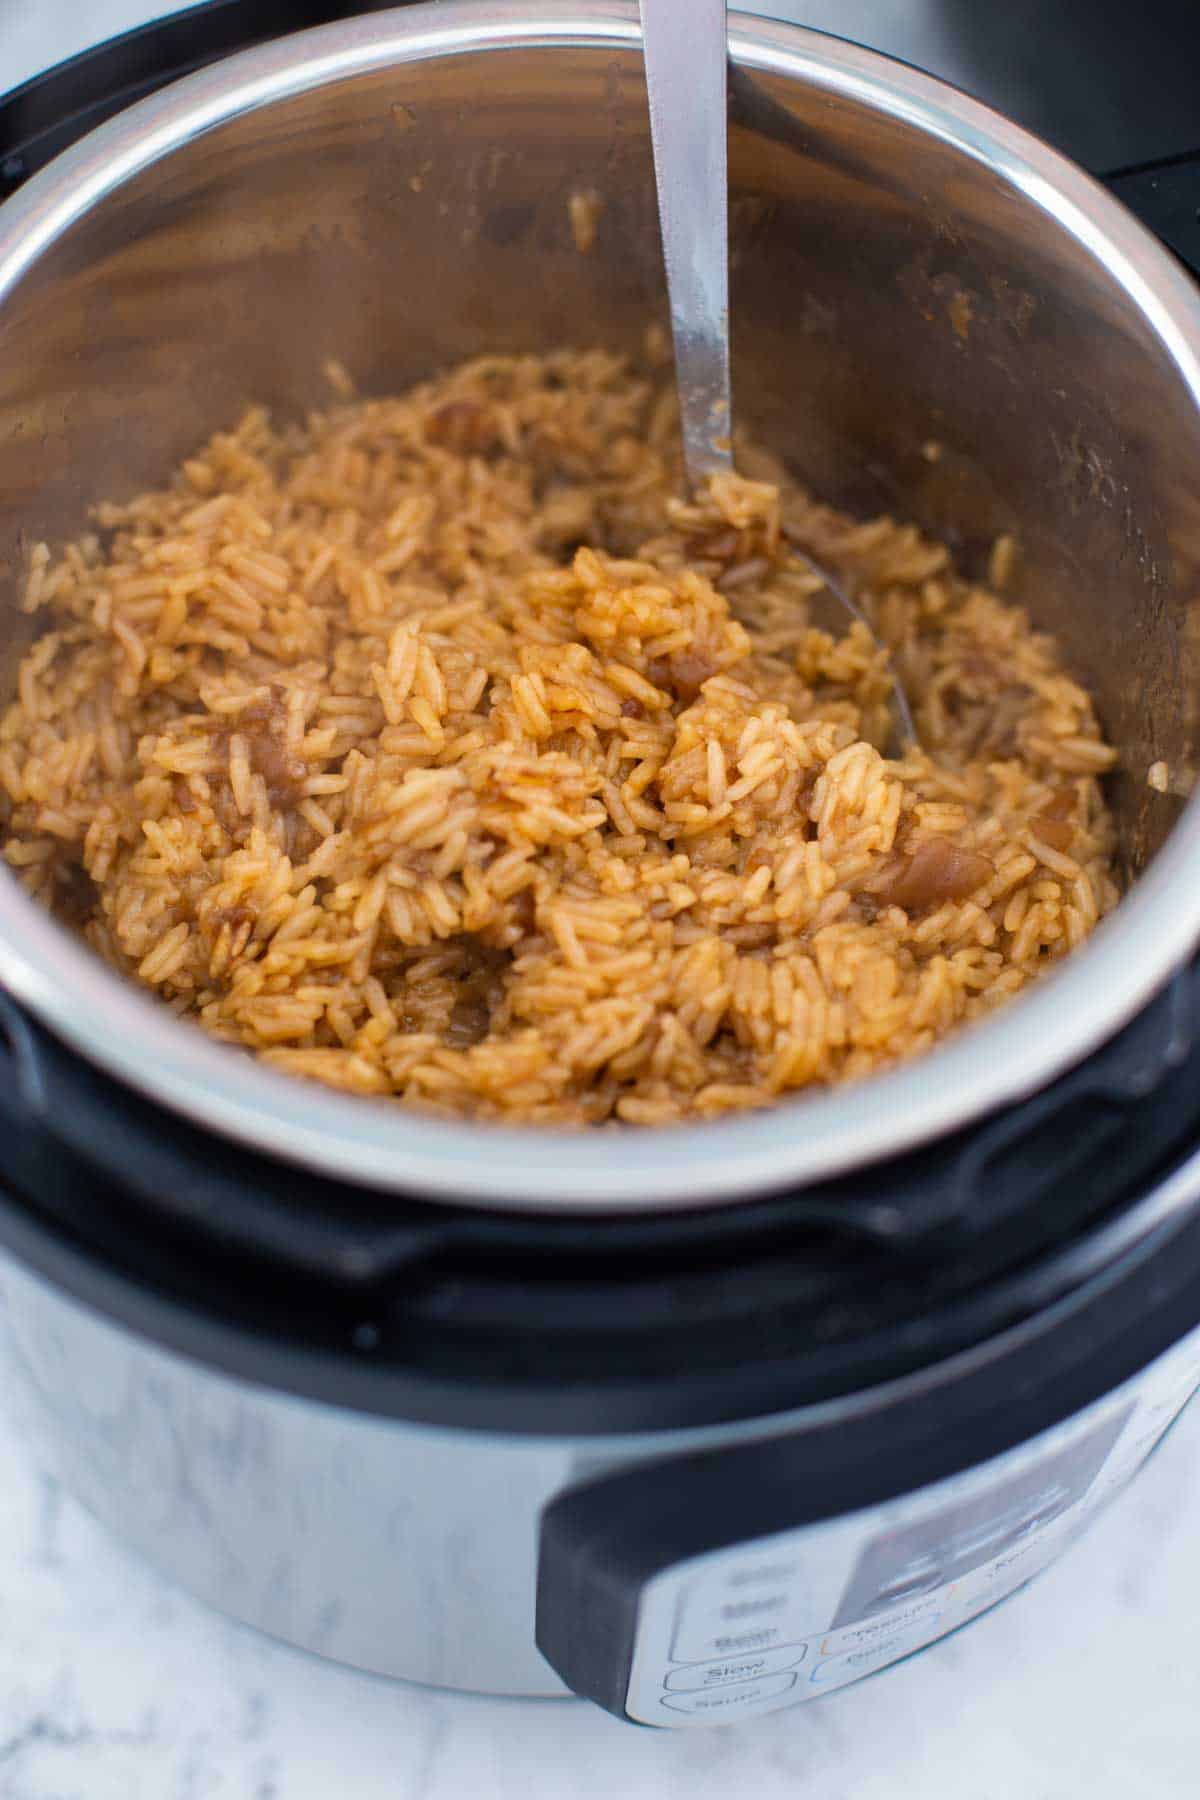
(719, 1701)
(735, 1668)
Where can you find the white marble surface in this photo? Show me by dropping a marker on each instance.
(114, 1686)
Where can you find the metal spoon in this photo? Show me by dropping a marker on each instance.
(686, 50)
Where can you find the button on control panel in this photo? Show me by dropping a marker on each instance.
(783, 1619)
(695, 1676)
(866, 1634)
(742, 1697)
(730, 1623)
(878, 1653)
(746, 1604)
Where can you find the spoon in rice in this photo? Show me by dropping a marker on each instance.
(685, 48)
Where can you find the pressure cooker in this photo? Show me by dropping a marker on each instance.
(701, 1422)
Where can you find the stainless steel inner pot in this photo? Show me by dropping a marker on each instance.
(908, 269)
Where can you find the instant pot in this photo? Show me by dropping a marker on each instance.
(696, 1423)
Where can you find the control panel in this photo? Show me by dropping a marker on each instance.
(809, 1610)
(783, 1616)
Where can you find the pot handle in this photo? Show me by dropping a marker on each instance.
(26, 1152)
(83, 1147)
(113, 1169)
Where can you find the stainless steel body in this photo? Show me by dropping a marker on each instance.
(934, 313)
(412, 1550)
(398, 1548)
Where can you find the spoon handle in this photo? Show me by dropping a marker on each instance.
(686, 53)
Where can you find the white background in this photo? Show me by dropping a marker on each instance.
(113, 1686)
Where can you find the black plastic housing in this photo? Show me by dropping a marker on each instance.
(603, 1540)
(592, 1323)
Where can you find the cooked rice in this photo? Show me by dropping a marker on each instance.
(437, 749)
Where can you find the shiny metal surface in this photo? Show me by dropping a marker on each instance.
(685, 49)
(405, 1549)
(908, 270)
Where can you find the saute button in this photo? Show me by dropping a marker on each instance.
(725, 1700)
(736, 1668)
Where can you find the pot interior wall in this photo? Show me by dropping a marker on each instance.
(889, 294)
